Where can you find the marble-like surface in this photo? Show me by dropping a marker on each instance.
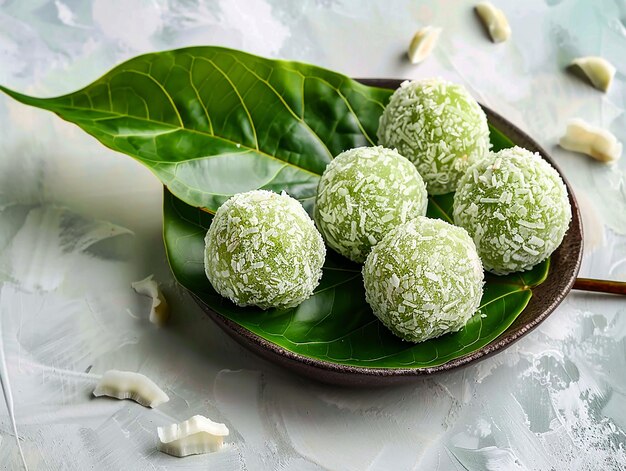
(79, 223)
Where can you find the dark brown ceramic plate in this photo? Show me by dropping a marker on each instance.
(564, 266)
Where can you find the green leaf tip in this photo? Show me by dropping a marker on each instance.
(210, 122)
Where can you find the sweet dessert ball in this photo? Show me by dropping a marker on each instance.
(362, 195)
(515, 206)
(424, 279)
(439, 127)
(263, 249)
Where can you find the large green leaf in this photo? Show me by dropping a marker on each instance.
(336, 324)
(211, 122)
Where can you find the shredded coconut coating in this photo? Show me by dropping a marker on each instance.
(424, 279)
(515, 207)
(439, 127)
(362, 195)
(263, 249)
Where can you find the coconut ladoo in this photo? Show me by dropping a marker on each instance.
(362, 195)
(263, 249)
(515, 206)
(439, 127)
(424, 279)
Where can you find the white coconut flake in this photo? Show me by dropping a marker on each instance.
(130, 385)
(494, 21)
(194, 436)
(596, 142)
(159, 311)
(423, 43)
(598, 70)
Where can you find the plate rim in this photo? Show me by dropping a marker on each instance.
(338, 373)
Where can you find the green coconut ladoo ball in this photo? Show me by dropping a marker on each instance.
(263, 249)
(424, 279)
(362, 195)
(439, 127)
(515, 206)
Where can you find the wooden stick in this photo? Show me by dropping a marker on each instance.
(600, 286)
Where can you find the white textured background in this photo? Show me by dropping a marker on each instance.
(79, 222)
